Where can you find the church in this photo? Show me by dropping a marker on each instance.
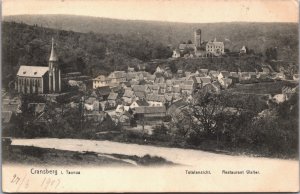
(40, 80)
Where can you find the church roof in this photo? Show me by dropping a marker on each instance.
(53, 56)
(32, 71)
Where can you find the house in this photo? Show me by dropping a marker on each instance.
(187, 73)
(253, 75)
(204, 71)
(117, 77)
(243, 50)
(176, 107)
(155, 99)
(169, 97)
(111, 99)
(154, 88)
(140, 95)
(266, 70)
(100, 81)
(187, 89)
(176, 89)
(214, 48)
(141, 66)
(213, 75)
(203, 81)
(223, 74)
(176, 53)
(279, 98)
(180, 73)
(280, 76)
(103, 92)
(92, 104)
(159, 70)
(139, 103)
(244, 76)
(121, 109)
(162, 88)
(159, 80)
(214, 87)
(131, 76)
(148, 113)
(234, 75)
(141, 88)
(130, 69)
(225, 82)
(151, 78)
(124, 118)
(128, 96)
(296, 77)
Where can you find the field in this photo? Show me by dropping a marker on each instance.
(262, 88)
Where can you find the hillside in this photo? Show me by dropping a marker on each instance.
(89, 53)
(257, 36)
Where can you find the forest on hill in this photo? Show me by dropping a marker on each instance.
(89, 53)
(257, 36)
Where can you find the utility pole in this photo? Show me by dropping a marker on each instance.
(81, 110)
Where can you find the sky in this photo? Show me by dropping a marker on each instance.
(191, 11)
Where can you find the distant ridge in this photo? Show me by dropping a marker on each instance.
(254, 35)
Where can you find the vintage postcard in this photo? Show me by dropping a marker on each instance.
(150, 96)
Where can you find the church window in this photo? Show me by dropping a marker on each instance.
(35, 73)
(24, 72)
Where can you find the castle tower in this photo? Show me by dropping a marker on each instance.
(197, 37)
(54, 72)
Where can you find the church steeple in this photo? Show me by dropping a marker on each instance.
(53, 56)
(54, 72)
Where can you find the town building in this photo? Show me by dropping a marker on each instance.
(100, 81)
(214, 48)
(38, 79)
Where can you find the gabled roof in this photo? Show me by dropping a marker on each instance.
(176, 89)
(104, 90)
(156, 98)
(128, 94)
(234, 74)
(244, 74)
(139, 88)
(154, 87)
(204, 70)
(112, 96)
(205, 80)
(131, 75)
(225, 73)
(150, 109)
(140, 94)
(101, 78)
(142, 102)
(32, 71)
(188, 82)
(187, 87)
(117, 74)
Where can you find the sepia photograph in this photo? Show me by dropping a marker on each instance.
(150, 96)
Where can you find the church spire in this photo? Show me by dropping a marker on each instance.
(53, 56)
